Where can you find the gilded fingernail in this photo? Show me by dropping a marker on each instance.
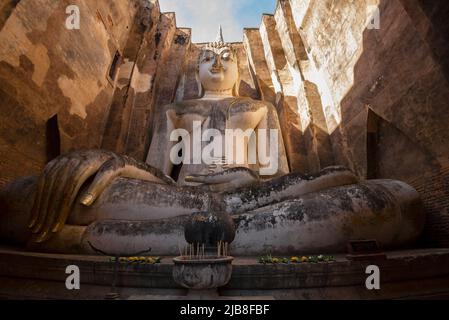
(55, 228)
(42, 237)
(31, 224)
(87, 199)
(37, 228)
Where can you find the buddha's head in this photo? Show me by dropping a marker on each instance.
(218, 67)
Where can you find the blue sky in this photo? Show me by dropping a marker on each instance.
(204, 16)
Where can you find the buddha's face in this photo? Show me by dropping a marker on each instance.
(218, 70)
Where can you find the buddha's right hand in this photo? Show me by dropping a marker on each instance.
(63, 177)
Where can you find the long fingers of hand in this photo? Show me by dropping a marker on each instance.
(108, 172)
(40, 192)
(57, 198)
(72, 180)
(70, 193)
(48, 192)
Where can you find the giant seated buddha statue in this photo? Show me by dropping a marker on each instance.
(229, 158)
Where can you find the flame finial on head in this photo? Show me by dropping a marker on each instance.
(219, 38)
(219, 42)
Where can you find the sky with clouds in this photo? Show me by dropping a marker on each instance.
(204, 16)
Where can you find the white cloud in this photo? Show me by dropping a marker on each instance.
(204, 17)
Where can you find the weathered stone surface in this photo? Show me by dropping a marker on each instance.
(135, 78)
(326, 221)
(386, 210)
(398, 73)
(164, 236)
(283, 80)
(189, 86)
(247, 86)
(332, 71)
(202, 274)
(167, 79)
(208, 228)
(258, 65)
(46, 69)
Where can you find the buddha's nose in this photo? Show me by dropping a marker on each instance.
(217, 62)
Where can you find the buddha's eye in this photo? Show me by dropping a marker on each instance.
(208, 56)
(226, 56)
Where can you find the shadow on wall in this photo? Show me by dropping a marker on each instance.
(394, 118)
(7, 7)
(47, 69)
(53, 138)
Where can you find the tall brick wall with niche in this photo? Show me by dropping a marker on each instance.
(55, 81)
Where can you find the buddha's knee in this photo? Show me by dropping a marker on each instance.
(163, 236)
(386, 210)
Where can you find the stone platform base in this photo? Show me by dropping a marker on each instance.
(412, 274)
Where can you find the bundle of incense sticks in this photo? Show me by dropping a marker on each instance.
(197, 250)
(192, 251)
(222, 249)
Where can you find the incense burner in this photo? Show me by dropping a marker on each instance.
(202, 274)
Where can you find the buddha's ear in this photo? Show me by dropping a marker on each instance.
(198, 82)
(236, 89)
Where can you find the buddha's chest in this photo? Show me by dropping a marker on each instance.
(219, 117)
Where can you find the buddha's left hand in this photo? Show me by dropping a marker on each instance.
(226, 180)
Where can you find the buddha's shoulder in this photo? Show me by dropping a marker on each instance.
(241, 104)
(186, 105)
(249, 104)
